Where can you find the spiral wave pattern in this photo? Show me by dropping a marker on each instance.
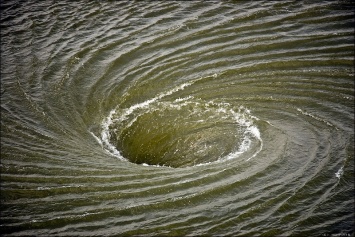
(177, 118)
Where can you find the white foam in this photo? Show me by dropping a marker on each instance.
(340, 172)
(150, 101)
(241, 117)
(105, 137)
(255, 131)
(183, 99)
(105, 134)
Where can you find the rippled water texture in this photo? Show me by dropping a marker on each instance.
(177, 118)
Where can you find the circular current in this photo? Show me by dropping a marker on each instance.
(177, 118)
(179, 133)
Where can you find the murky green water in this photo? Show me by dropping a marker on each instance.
(177, 118)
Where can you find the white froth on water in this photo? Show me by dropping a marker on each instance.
(240, 117)
(340, 172)
(105, 133)
(105, 137)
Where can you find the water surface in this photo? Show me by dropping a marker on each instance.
(177, 118)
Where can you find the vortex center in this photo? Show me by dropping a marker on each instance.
(178, 134)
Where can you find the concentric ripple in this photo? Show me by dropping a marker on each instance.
(177, 118)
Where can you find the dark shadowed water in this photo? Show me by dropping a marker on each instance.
(171, 118)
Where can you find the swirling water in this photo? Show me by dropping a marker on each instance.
(177, 118)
